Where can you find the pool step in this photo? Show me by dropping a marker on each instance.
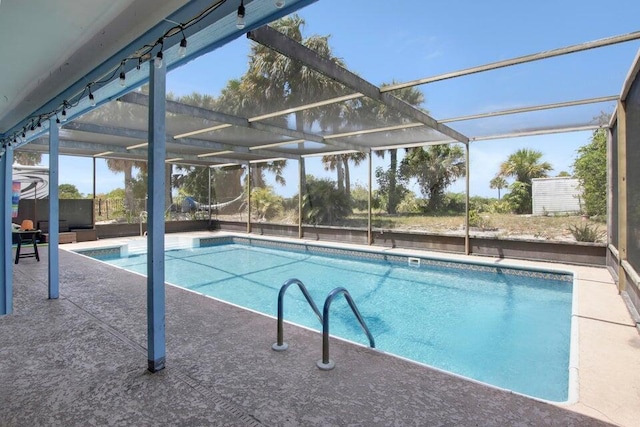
(139, 247)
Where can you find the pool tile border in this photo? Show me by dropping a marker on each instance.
(378, 256)
(114, 251)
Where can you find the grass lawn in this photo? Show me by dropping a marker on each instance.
(499, 225)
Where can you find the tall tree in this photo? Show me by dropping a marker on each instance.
(590, 168)
(524, 165)
(27, 158)
(335, 163)
(356, 159)
(126, 167)
(68, 191)
(372, 113)
(276, 81)
(283, 82)
(340, 164)
(498, 183)
(435, 168)
(128, 116)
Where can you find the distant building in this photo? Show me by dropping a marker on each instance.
(554, 196)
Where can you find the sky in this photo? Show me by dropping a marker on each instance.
(404, 40)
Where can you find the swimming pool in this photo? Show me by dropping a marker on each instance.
(503, 326)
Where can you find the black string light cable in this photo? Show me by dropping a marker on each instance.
(143, 54)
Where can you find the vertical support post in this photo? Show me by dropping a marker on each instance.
(622, 193)
(467, 243)
(209, 190)
(300, 195)
(156, 348)
(370, 199)
(54, 211)
(6, 264)
(93, 211)
(248, 197)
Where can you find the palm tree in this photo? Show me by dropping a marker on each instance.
(340, 163)
(524, 165)
(356, 158)
(435, 168)
(335, 163)
(498, 182)
(378, 114)
(283, 82)
(276, 81)
(126, 167)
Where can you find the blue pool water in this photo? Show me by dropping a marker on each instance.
(503, 329)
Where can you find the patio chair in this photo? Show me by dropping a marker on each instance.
(27, 235)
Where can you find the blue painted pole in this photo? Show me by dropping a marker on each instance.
(54, 211)
(156, 347)
(6, 261)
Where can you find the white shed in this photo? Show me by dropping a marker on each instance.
(559, 195)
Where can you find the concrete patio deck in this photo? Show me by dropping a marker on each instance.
(81, 360)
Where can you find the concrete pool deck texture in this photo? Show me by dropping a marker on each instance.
(81, 360)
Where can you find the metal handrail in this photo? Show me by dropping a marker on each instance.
(327, 364)
(143, 217)
(280, 345)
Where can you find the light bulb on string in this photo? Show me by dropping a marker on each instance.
(240, 21)
(158, 61)
(92, 100)
(279, 3)
(123, 79)
(182, 50)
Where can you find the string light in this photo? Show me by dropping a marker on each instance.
(240, 21)
(279, 3)
(141, 55)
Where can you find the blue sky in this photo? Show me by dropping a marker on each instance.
(398, 41)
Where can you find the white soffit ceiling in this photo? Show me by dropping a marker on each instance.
(46, 44)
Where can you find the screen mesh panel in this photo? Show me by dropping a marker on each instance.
(633, 175)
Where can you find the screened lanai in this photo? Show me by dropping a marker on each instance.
(119, 108)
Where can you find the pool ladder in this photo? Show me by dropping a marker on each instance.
(325, 363)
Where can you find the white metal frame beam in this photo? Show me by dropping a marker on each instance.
(623, 38)
(519, 60)
(229, 119)
(191, 142)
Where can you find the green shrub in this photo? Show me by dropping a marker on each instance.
(477, 220)
(266, 203)
(519, 197)
(324, 203)
(586, 232)
(360, 198)
(499, 207)
(409, 204)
